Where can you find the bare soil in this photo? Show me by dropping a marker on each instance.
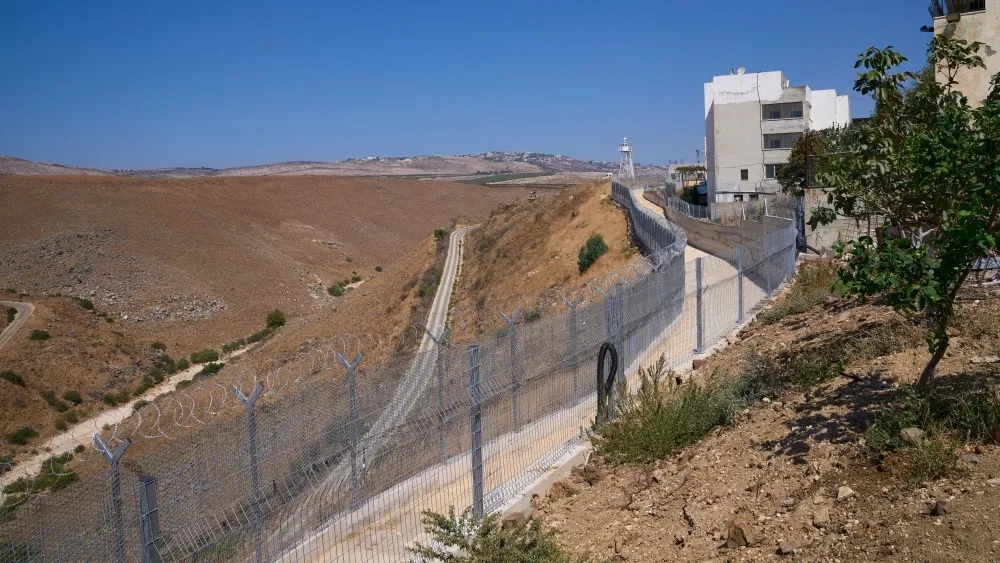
(525, 257)
(773, 478)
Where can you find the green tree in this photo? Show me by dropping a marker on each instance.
(275, 319)
(792, 176)
(926, 171)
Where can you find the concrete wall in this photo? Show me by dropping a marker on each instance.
(976, 26)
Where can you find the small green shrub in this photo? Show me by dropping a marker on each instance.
(155, 375)
(11, 314)
(39, 334)
(378, 268)
(139, 404)
(355, 279)
(487, 540)
(184, 384)
(115, 399)
(427, 290)
(60, 424)
(211, 369)
(12, 377)
(73, 397)
(594, 248)
(22, 435)
(11, 291)
(812, 285)
(182, 364)
(336, 290)
(206, 355)
(533, 315)
(54, 402)
(107, 318)
(158, 346)
(275, 319)
(145, 385)
(85, 303)
(440, 234)
(71, 417)
(79, 449)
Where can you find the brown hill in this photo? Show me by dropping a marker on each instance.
(526, 254)
(199, 262)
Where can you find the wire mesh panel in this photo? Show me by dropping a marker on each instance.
(341, 465)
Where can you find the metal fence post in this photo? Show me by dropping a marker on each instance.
(620, 337)
(514, 376)
(476, 416)
(149, 520)
(248, 403)
(699, 309)
(439, 368)
(352, 425)
(116, 492)
(574, 345)
(768, 266)
(739, 284)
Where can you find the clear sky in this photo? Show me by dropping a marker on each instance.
(219, 84)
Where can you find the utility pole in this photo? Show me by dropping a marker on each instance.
(697, 154)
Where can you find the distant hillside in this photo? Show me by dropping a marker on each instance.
(410, 166)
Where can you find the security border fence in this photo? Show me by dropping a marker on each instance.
(304, 477)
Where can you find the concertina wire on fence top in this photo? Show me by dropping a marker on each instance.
(312, 474)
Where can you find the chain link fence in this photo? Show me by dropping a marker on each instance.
(341, 468)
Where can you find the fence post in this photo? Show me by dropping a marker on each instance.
(439, 342)
(699, 309)
(352, 424)
(248, 403)
(514, 376)
(620, 305)
(574, 348)
(739, 284)
(476, 416)
(149, 520)
(116, 492)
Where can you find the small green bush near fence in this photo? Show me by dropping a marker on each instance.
(73, 397)
(54, 402)
(211, 369)
(206, 355)
(22, 435)
(440, 234)
(591, 251)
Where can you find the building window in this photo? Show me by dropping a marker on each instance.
(781, 140)
(744, 174)
(771, 171)
(738, 197)
(754, 197)
(791, 110)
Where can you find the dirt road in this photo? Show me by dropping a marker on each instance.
(24, 311)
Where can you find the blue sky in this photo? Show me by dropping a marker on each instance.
(141, 85)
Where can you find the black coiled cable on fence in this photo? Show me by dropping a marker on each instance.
(605, 387)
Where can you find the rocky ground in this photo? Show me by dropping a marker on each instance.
(790, 480)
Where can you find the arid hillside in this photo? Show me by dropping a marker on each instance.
(198, 262)
(526, 254)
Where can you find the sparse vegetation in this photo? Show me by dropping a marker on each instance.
(39, 334)
(52, 476)
(812, 284)
(533, 315)
(378, 268)
(494, 178)
(466, 539)
(115, 399)
(275, 319)
(211, 369)
(71, 417)
(355, 279)
(54, 402)
(427, 290)
(182, 364)
(594, 248)
(139, 404)
(158, 346)
(206, 355)
(11, 314)
(84, 303)
(60, 424)
(79, 449)
(73, 397)
(440, 234)
(21, 436)
(337, 289)
(181, 385)
(12, 377)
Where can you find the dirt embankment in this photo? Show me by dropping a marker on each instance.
(525, 256)
(791, 479)
(199, 262)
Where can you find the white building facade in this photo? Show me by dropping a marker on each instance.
(751, 123)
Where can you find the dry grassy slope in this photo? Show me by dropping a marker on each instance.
(779, 468)
(84, 353)
(199, 262)
(529, 248)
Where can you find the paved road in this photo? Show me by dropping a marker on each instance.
(24, 311)
(417, 377)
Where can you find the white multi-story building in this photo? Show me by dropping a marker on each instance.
(751, 123)
(973, 20)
